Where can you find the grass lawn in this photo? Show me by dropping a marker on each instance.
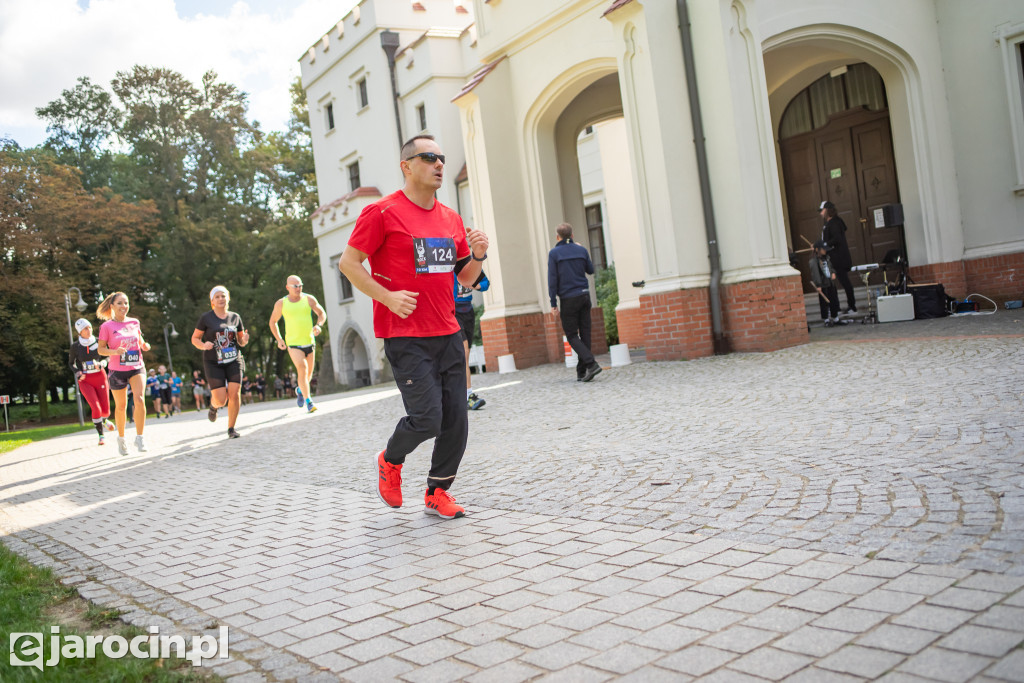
(19, 413)
(32, 600)
(11, 440)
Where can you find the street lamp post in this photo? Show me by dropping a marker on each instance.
(80, 307)
(167, 343)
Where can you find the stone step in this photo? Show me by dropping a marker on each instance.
(860, 295)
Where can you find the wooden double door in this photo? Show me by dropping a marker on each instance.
(849, 162)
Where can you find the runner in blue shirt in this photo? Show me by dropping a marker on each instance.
(175, 392)
(153, 387)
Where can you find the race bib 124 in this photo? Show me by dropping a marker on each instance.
(434, 254)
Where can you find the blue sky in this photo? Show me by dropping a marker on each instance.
(46, 45)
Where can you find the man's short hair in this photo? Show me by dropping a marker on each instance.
(409, 148)
(564, 231)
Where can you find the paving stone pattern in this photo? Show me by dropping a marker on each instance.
(838, 511)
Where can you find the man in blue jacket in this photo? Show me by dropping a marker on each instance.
(568, 267)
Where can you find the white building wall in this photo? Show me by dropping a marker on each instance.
(980, 92)
(430, 69)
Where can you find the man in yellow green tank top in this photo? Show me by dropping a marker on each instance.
(300, 334)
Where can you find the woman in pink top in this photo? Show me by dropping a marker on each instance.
(121, 340)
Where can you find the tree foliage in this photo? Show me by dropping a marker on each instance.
(607, 290)
(162, 188)
(56, 234)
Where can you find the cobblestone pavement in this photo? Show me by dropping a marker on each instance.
(838, 511)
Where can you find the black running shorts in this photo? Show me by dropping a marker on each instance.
(217, 375)
(467, 321)
(305, 349)
(118, 379)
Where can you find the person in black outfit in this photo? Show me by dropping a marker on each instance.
(568, 267)
(833, 233)
(823, 277)
(219, 334)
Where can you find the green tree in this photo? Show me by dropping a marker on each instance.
(57, 234)
(81, 125)
(232, 205)
(608, 298)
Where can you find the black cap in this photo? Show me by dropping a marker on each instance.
(820, 244)
(826, 205)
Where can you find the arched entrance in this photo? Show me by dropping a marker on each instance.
(355, 363)
(579, 101)
(797, 56)
(835, 143)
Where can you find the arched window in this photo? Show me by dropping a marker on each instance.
(858, 86)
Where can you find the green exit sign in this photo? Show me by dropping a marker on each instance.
(836, 173)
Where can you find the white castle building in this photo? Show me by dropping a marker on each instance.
(868, 104)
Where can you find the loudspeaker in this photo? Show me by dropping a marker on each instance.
(930, 301)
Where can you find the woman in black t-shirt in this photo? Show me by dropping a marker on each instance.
(219, 334)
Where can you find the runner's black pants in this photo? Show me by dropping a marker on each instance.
(431, 374)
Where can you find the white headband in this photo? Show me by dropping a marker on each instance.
(219, 288)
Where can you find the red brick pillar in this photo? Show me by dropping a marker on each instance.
(764, 315)
(677, 324)
(757, 315)
(533, 338)
(631, 326)
(598, 340)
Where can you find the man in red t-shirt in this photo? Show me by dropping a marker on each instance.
(417, 247)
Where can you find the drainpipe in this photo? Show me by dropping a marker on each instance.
(710, 229)
(389, 41)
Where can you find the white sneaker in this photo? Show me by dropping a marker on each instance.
(122, 446)
(140, 444)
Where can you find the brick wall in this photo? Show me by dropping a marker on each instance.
(524, 336)
(997, 277)
(533, 338)
(598, 342)
(950, 275)
(677, 324)
(764, 315)
(631, 327)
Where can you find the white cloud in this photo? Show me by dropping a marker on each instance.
(45, 45)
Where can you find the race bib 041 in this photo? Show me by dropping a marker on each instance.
(434, 254)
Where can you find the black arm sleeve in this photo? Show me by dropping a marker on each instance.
(460, 264)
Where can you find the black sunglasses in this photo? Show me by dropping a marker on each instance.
(428, 157)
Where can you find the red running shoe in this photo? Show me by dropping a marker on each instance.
(443, 505)
(389, 482)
